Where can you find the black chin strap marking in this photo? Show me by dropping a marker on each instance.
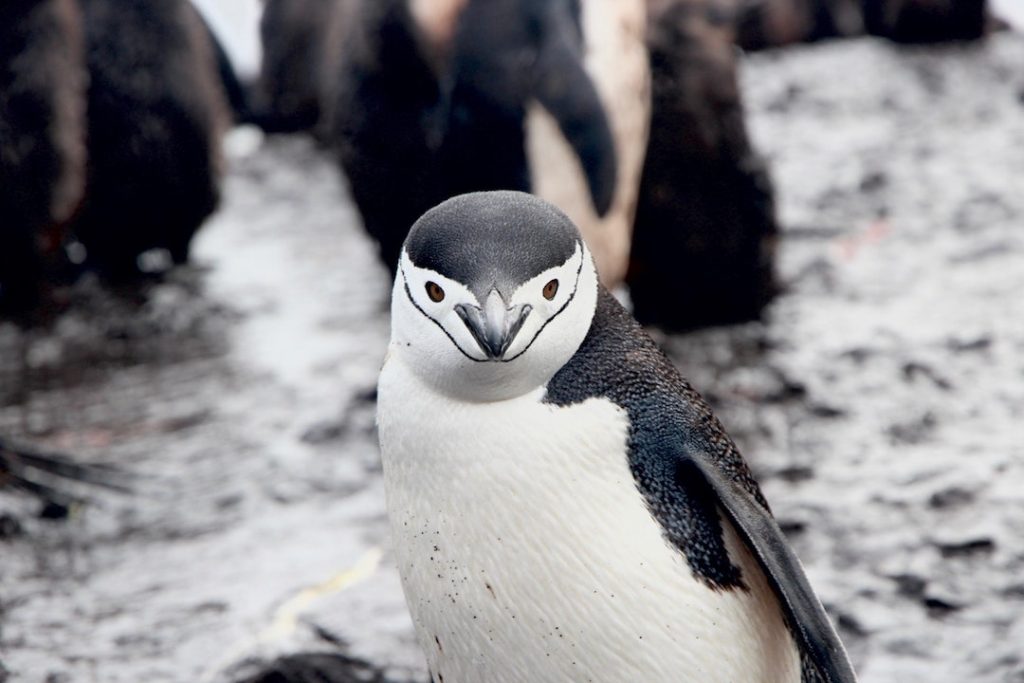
(575, 288)
(408, 293)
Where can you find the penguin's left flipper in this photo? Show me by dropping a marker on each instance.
(762, 535)
(564, 88)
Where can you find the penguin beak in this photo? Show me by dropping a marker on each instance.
(495, 326)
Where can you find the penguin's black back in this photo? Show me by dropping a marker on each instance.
(156, 113)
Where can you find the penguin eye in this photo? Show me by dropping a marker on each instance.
(550, 289)
(435, 292)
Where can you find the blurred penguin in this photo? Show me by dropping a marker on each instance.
(771, 23)
(157, 112)
(763, 24)
(292, 89)
(704, 238)
(585, 102)
(927, 21)
(42, 142)
(439, 97)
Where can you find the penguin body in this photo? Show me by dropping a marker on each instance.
(704, 239)
(616, 59)
(436, 99)
(386, 122)
(157, 111)
(42, 141)
(294, 36)
(771, 23)
(563, 505)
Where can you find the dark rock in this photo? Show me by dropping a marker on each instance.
(953, 496)
(910, 586)
(323, 432)
(912, 370)
(1015, 591)
(825, 411)
(792, 527)
(796, 473)
(974, 547)
(10, 527)
(874, 181)
(54, 511)
(850, 626)
(914, 431)
(318, 668)
(939, 608)
(982, 343)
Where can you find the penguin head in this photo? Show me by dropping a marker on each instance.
(495, 292)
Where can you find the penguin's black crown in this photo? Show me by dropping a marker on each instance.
(492, 240)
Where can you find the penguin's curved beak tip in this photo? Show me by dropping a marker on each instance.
(495, 325)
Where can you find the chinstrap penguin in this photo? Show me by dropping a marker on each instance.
(435, 98)
(564, 506)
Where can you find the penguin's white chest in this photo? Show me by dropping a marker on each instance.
(528, 555)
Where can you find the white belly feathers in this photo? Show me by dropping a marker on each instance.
(528, 555)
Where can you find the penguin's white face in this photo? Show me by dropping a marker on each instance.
(487, 332)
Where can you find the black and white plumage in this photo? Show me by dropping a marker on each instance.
(564, 505)
(438, 98)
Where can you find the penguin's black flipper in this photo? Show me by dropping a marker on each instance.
(761, 533)
(565, 89)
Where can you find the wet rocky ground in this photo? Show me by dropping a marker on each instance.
(881, 401)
